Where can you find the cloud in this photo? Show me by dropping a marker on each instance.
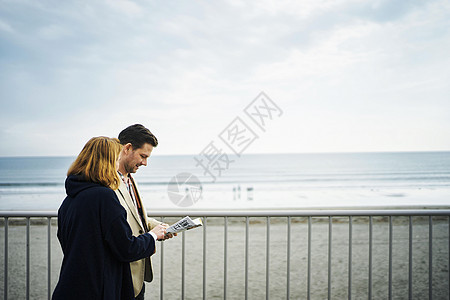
(52, 32)
(126, 7)
(73, 69)
(4, 26)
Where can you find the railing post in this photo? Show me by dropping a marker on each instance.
(49, 257)
(309, 259)
(183, 267)
(390, 258)
(330, 238)
(247, 221)
(5, 280)
(410, 274)
(430, 259)
(204, 257)
(370, 255)
(225, 258)
(288, 271)
(350, 254)
(161, 271)
(28, 260)
(268, 258)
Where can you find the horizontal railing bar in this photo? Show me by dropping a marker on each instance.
(28, 213)
(302, 213)
(262, 213)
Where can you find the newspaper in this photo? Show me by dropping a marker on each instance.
(184, 224)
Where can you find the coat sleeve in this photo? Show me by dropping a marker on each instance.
(152, 223)
(117, 233)
(124, 245)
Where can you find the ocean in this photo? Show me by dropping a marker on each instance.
(251, 181)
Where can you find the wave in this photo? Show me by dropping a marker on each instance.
(445, 179)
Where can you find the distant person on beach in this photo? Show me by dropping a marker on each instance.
(138, 143)
(95, 237)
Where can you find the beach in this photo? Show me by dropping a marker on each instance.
(257, 250)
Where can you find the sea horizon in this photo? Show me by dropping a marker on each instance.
(249, 153)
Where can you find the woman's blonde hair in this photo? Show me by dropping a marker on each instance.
(97, 161)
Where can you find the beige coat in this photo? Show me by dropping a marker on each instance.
(141, 269)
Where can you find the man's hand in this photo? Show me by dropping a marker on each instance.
(168, 235)
(160, 231)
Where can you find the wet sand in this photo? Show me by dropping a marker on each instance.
(257, 258)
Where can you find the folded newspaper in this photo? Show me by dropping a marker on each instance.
(184, 224)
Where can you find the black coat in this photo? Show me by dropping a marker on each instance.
(97, 244)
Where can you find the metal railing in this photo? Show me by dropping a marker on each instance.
(329, 220)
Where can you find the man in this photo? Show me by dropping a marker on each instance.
(138, 143)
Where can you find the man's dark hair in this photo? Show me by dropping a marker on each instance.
(137, 135)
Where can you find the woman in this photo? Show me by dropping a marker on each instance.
(93, 230)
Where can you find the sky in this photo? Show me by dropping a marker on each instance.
(346, 75)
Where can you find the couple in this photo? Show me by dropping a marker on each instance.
(103, 229)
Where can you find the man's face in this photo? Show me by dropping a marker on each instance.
(131, 160)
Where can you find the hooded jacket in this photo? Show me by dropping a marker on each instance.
(97, 244)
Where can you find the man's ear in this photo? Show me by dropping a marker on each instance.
(127, 148)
